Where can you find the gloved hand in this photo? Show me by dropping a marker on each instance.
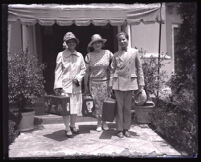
(58, 91)
(76, 82)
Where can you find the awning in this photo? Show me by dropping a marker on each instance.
(83, 15)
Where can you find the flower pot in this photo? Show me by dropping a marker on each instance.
(27, 121)
(143, 113)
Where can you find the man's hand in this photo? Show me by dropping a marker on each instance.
(58, 91)
(76, 82)
(141, 88)
(109, 90)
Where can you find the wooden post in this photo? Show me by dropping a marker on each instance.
(159, 49)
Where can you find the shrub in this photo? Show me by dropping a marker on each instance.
(154, 82)
(25, 85)
(25, 79)
(14, 119)
(177, 120)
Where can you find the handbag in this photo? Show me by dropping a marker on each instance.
(109, 109)
(88, 107)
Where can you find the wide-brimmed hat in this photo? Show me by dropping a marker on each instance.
(70, 35)
(95, 38)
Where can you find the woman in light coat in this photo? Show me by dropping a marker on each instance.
(127, 75)
(69, 72)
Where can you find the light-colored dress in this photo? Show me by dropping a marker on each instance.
(70, 66)
(98, 69)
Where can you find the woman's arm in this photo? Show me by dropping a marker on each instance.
(86, 77)
(58, 75)
(58, 72)
(140, 73)
(112, 70)
(82, 72)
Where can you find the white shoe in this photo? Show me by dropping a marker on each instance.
(99, 128)
(105, 126)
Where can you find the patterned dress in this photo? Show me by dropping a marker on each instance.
(98, 69)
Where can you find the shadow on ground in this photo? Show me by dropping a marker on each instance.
(86, 128)
(60, 135)
(57, 136)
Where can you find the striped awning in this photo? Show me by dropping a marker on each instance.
(84, 15)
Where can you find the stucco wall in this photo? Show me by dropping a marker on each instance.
(14, 37)
(146, 36)
(172, 18)
(21, 37)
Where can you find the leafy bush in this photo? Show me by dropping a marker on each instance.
(185, 110)
(14, 119)
(25, 85)
(25, 79)
(154, 82)
(177, 120)
(13, 132)
(176, 126)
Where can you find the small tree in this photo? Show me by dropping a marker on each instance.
(25, 79)
(153, 85)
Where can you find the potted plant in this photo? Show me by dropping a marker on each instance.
(153, 85)
(25, 86)
(154, 82)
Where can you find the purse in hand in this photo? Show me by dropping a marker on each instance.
(88, 107)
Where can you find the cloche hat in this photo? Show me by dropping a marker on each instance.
(70, 35)
(95, 38)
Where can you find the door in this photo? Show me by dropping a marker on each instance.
(52, 41)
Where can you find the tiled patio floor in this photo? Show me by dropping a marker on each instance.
(48, 140)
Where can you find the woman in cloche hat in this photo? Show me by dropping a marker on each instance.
(69, 72)
(96, 82)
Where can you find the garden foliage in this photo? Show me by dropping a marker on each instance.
(154, 82)
(25, 86)
(177, 119)
(25, 79)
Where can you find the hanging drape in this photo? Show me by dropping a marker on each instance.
(83, 15)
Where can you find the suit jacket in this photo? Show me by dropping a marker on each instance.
(69, 66)
(127, 73)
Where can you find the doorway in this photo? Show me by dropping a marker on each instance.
(52, 41)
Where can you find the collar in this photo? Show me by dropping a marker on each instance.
(68, 53)
(120, 52)
(123, 50)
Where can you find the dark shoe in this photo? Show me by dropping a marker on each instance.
(74, 130)
(120, 134)
(68, 134)
(127, 133)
